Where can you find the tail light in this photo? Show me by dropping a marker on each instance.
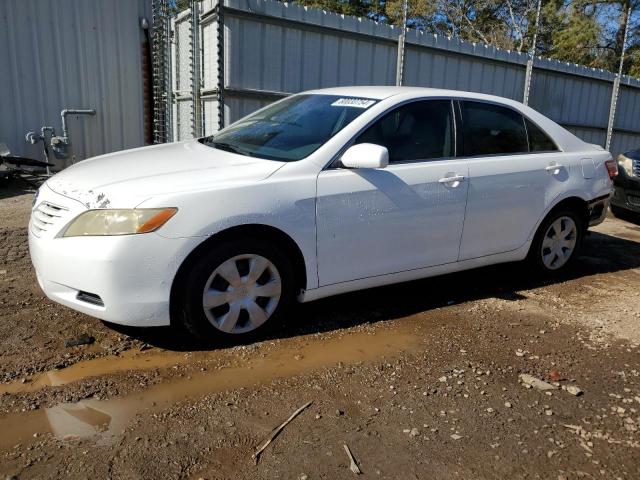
(612, 168)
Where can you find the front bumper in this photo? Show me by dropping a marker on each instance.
(120, 279)
(626, 193)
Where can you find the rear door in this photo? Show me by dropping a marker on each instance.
(515, 171)
(407, 216)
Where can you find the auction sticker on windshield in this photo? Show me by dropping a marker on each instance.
(353, 102)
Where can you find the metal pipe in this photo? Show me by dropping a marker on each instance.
(45, 149)
(72, 111)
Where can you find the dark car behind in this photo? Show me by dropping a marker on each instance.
(626, 195)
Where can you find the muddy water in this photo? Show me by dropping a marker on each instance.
(131, 360)
(105, 419)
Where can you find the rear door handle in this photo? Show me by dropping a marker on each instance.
(554, 168)
(454, 178)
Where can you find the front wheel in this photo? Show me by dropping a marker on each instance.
(557, 241)
(236, 290)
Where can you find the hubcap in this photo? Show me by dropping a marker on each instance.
(559, 243)
(242, 293)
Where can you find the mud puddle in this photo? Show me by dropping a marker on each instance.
(104, 420)
(130, 360)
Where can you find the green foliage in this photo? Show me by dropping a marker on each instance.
(633, 62)
(419, 15)
(356, 8)
(575, 37)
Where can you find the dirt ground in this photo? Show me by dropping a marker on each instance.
(420, 380)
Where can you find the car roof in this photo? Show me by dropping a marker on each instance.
(382, 92)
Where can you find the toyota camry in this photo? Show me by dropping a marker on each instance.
(320, 193)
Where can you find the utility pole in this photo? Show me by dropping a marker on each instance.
(401, 38)
(616, 85)
(531, 56)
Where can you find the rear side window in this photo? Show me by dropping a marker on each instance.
(492, 130)
(538, 140)
(417, 131)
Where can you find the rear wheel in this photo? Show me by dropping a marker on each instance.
(236, 290)
(557, 241)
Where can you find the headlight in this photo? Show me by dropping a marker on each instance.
(626, 164)
(118, 222)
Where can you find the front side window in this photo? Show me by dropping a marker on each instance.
(416, 131)
(291, 129)
(489, 129)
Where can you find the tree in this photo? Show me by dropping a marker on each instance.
(420, 12)
(575, 37)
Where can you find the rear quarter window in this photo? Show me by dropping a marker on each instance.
(538, 140)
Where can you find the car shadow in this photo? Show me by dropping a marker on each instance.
(601, 253)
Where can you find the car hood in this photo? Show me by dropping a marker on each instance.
(126, 178)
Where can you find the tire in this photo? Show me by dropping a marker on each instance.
(549, 256)
(235, 310)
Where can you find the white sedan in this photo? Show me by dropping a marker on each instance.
(321, 193)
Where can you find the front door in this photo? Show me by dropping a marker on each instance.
(407, 216)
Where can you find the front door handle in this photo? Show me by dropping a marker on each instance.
(452, 179)
(554, 168)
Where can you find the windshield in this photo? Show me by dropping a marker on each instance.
(291, 129)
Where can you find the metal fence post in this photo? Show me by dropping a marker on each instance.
(222, 60)
(196, 59)
(160, 66)
(168, 82)
(531, 57)
(401, 47)
(616, 85)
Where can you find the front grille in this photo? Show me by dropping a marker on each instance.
(47, 216)
(635, 167)
(633, 200)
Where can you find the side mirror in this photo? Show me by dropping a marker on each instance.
(365, 155)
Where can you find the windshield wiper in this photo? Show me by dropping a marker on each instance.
(228, 147)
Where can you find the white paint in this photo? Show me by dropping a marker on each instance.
(356, 228)
(365, 155)
(588, 167)
(375, 222)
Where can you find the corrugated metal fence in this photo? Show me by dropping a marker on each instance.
(255, 51)
(73, 54)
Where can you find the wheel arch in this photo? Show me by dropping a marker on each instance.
(573, 201)
(578, 204)
(257, 231)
